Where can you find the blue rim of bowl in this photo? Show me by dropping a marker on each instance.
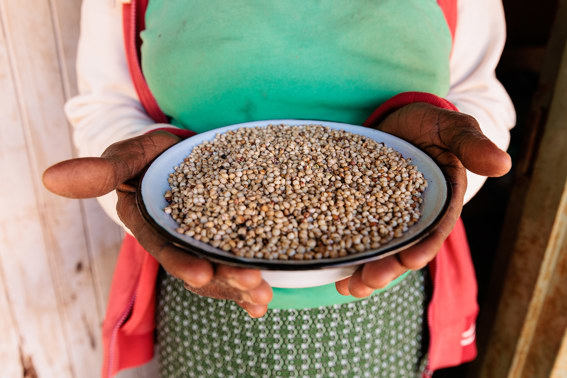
(216, 255)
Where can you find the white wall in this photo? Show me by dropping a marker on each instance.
(56, 255)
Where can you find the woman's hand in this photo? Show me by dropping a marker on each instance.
(456, 142)
(118, 169)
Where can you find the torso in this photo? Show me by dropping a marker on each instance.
(215, 63)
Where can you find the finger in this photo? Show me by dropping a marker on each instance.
(420, 254)
(378, 274)
(239, 278)
(478, 154)
(342, 286)
(191, 269)
(357, 287)
(80, 178)
(426, 126)
(94, 177)
(249, 281)
(260, 295)
(255, 311)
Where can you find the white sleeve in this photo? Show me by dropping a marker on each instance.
(107, 108)
(475, 90)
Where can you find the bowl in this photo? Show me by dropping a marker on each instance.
(292, 273)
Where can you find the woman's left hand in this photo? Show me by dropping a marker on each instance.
(456, 142)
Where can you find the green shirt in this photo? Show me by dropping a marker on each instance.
(216, 63)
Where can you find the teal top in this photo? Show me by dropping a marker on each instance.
(309, 297)
(216, 63)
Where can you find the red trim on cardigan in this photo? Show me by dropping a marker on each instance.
(133, 22)
(405, 98)
(449, 8)
(128, 327)
(453, 310)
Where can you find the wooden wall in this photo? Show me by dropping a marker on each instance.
(528, 324)
(56, 255)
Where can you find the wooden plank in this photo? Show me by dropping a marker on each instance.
(66, 20)
(27, 283)
(530, 226)
(57, 255)
(9, 347)
(560, 367)
(103, 236)
(546, 320)
(57, 250)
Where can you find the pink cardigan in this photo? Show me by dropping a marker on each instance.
(128, 329)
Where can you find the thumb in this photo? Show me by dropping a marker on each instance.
(478, 153)
(80, 178)
(94, 177)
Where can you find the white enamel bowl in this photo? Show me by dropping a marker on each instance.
(292, 273)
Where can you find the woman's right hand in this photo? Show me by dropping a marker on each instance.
(118, 169)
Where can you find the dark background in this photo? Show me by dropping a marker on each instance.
(528, 26)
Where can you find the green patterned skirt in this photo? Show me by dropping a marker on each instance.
(381, 336)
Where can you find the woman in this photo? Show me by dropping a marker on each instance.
(209, 65)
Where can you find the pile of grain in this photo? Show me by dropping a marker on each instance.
(294, 192)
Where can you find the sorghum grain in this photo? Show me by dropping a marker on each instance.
(294, 192)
